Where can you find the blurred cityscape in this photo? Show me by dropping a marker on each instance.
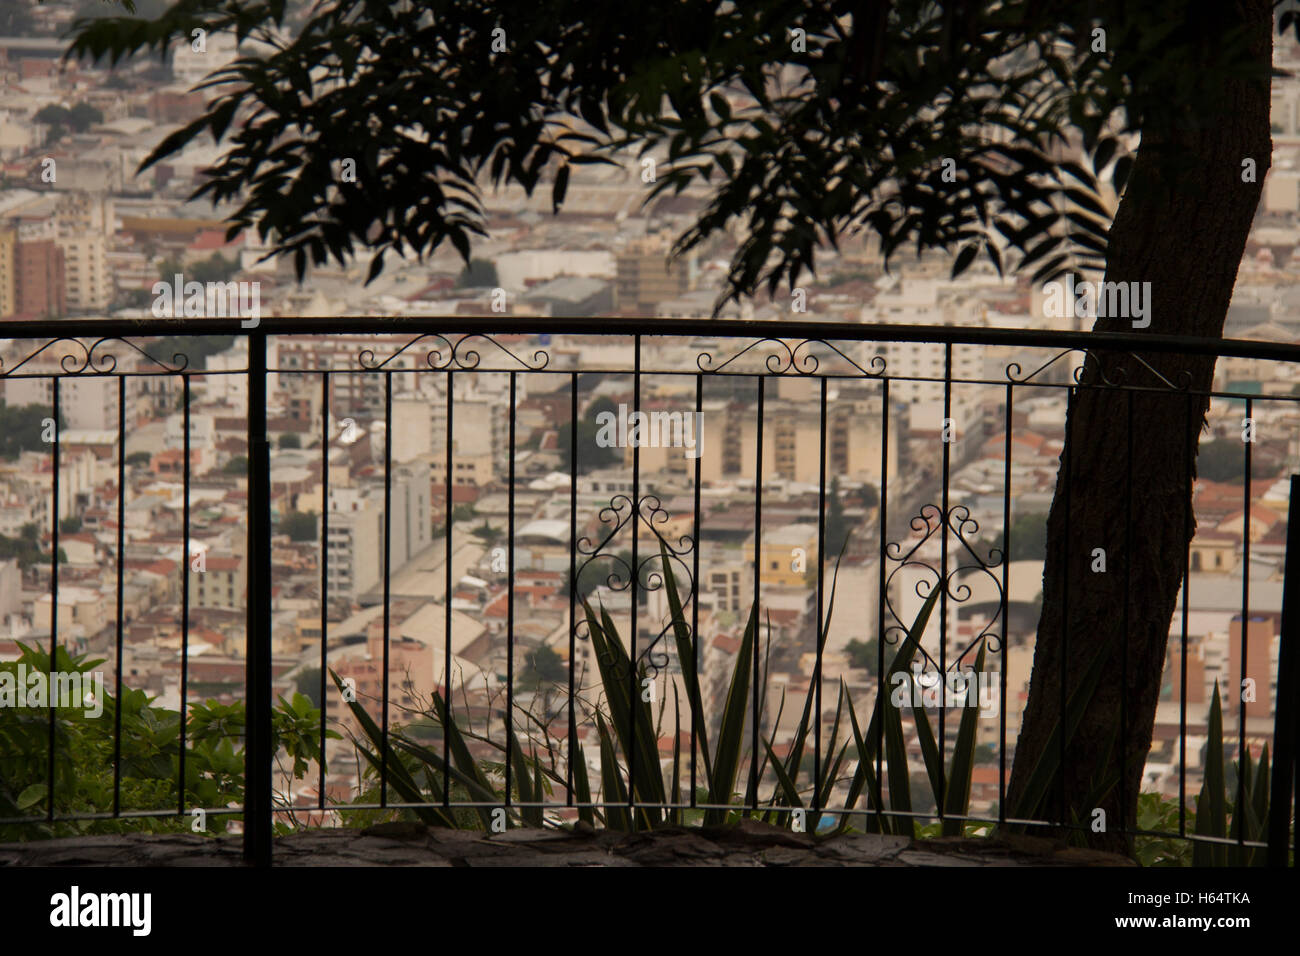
(81, 234)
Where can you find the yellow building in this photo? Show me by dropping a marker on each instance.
(787, 554)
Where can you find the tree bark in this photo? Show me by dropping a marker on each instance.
(1125, 479)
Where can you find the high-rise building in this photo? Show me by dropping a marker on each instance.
(356, 532)
(85, 401)
(41, 286)
(8, 271)
(645, 278)
(32, 273)
(86, 279)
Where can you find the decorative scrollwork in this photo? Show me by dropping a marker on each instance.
(1116, 379)
(1016, 378)
(783, 359)
(704, 361)
(451, 355)
(809, 364)
(649, 572)
(88, 359)
(927, 523)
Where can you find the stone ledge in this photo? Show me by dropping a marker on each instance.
(411, 844)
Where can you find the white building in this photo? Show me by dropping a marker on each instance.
(84, 401)
(356, 532)
(919, 302)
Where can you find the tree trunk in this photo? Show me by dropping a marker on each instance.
(1125, 478)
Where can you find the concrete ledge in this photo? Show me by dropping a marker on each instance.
(412, 844)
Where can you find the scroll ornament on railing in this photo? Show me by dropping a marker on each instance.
(452, 355)
(649, 571)
(90, 360)
(928, 522)
(780, 358)
(1092, 364)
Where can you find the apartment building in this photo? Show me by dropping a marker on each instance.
(32, 276)
(87, 285)
(353, 391)
(787, 554)
(219, 583)
(356, 531)
(645, 278)
(481, 433)
(84, 401)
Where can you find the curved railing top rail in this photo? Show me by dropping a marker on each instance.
(615, 326)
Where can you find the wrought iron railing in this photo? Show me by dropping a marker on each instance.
(920, 533)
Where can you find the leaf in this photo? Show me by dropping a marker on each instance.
(1105, 150)
(1211, 805)
(1119, 175)
(731, 739)
(398, 778)
(957, 799)
(631, 717)
(929, 747)
(616, 812)
(865, 775)
(560, 188)
(581, 786)
(787, 785)
(31, 796)
(1087, 201)
(1048, 764)
(1040, 250)
(721, 107)
(964, 259)
(686, 661)
(881, 714)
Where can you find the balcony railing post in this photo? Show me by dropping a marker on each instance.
(1288, 684)
(257, 752)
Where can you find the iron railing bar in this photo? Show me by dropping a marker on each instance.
(187, 565)
(633, 695)
(696, 545)
(821, 613)
(388, 576)
(846, 376)
(1123, 659)
(54, 593)
(324, 575)
(258, 803)
(121, 591)
(573, 584)
(510, 600)
(450, 505)
(1189, 459)
(1286, 722)
(882, 525)
(946, 448)
(1065, 598)
(1006, 605)
(89, 373)
(758, 566)
(605, 326)
(1238, 817)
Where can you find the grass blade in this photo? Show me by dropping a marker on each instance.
(726, 761)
